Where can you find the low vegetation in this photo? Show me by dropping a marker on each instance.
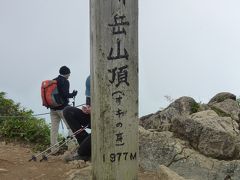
(195, 107)
(18, 123)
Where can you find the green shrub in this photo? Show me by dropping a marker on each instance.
(194, 107)
(20, 124)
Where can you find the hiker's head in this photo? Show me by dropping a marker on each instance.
(65, 71)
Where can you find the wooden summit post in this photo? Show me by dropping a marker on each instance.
(114, 89)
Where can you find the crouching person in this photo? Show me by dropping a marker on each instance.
(78, 119)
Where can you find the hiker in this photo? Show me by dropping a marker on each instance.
(76, 119)
(56, 113)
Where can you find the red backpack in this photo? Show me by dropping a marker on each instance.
(50, 94)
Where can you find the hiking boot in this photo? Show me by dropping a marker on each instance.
(85, 158)
(73, 157)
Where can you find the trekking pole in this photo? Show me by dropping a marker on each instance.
(70, 138)
(34, 157)
(73, 101)
(45, 156)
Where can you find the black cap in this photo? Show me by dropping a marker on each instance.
(64, 70)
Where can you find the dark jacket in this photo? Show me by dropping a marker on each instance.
(63, 89)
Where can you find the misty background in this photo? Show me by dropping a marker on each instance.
(186, 48)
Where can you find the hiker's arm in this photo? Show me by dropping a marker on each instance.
(65, 91)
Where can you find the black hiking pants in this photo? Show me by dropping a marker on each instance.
(77, 119)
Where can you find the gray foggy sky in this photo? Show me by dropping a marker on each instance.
(186, 48)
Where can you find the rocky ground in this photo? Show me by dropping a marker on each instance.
(14, 165)
(196, 140)
(187, 140)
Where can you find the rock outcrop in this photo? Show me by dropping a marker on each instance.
(197, 141)
(189, 140)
